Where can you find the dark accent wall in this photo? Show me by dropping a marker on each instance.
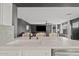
(48, 27)
(21, 26)
(75, 30)
(33, 28)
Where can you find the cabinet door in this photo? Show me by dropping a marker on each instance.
(66, 52)
(36, 52)
(10, 52)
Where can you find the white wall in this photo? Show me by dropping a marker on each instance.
(6, 28)
(0, 14)
(6, 13)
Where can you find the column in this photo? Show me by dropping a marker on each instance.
(14, 19)
(61, 29)
(69, 30)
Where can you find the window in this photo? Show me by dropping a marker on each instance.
(75, 25)
(27, 27)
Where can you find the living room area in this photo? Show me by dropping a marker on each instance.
(28, 29)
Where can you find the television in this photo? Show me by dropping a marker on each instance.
(41, 28)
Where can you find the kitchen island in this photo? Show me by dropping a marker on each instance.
(40, 47)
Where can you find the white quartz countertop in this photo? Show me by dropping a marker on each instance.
(54, 44)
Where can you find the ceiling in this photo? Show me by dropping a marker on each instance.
(54, 13)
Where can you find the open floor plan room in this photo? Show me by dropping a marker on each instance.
(39, 29)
